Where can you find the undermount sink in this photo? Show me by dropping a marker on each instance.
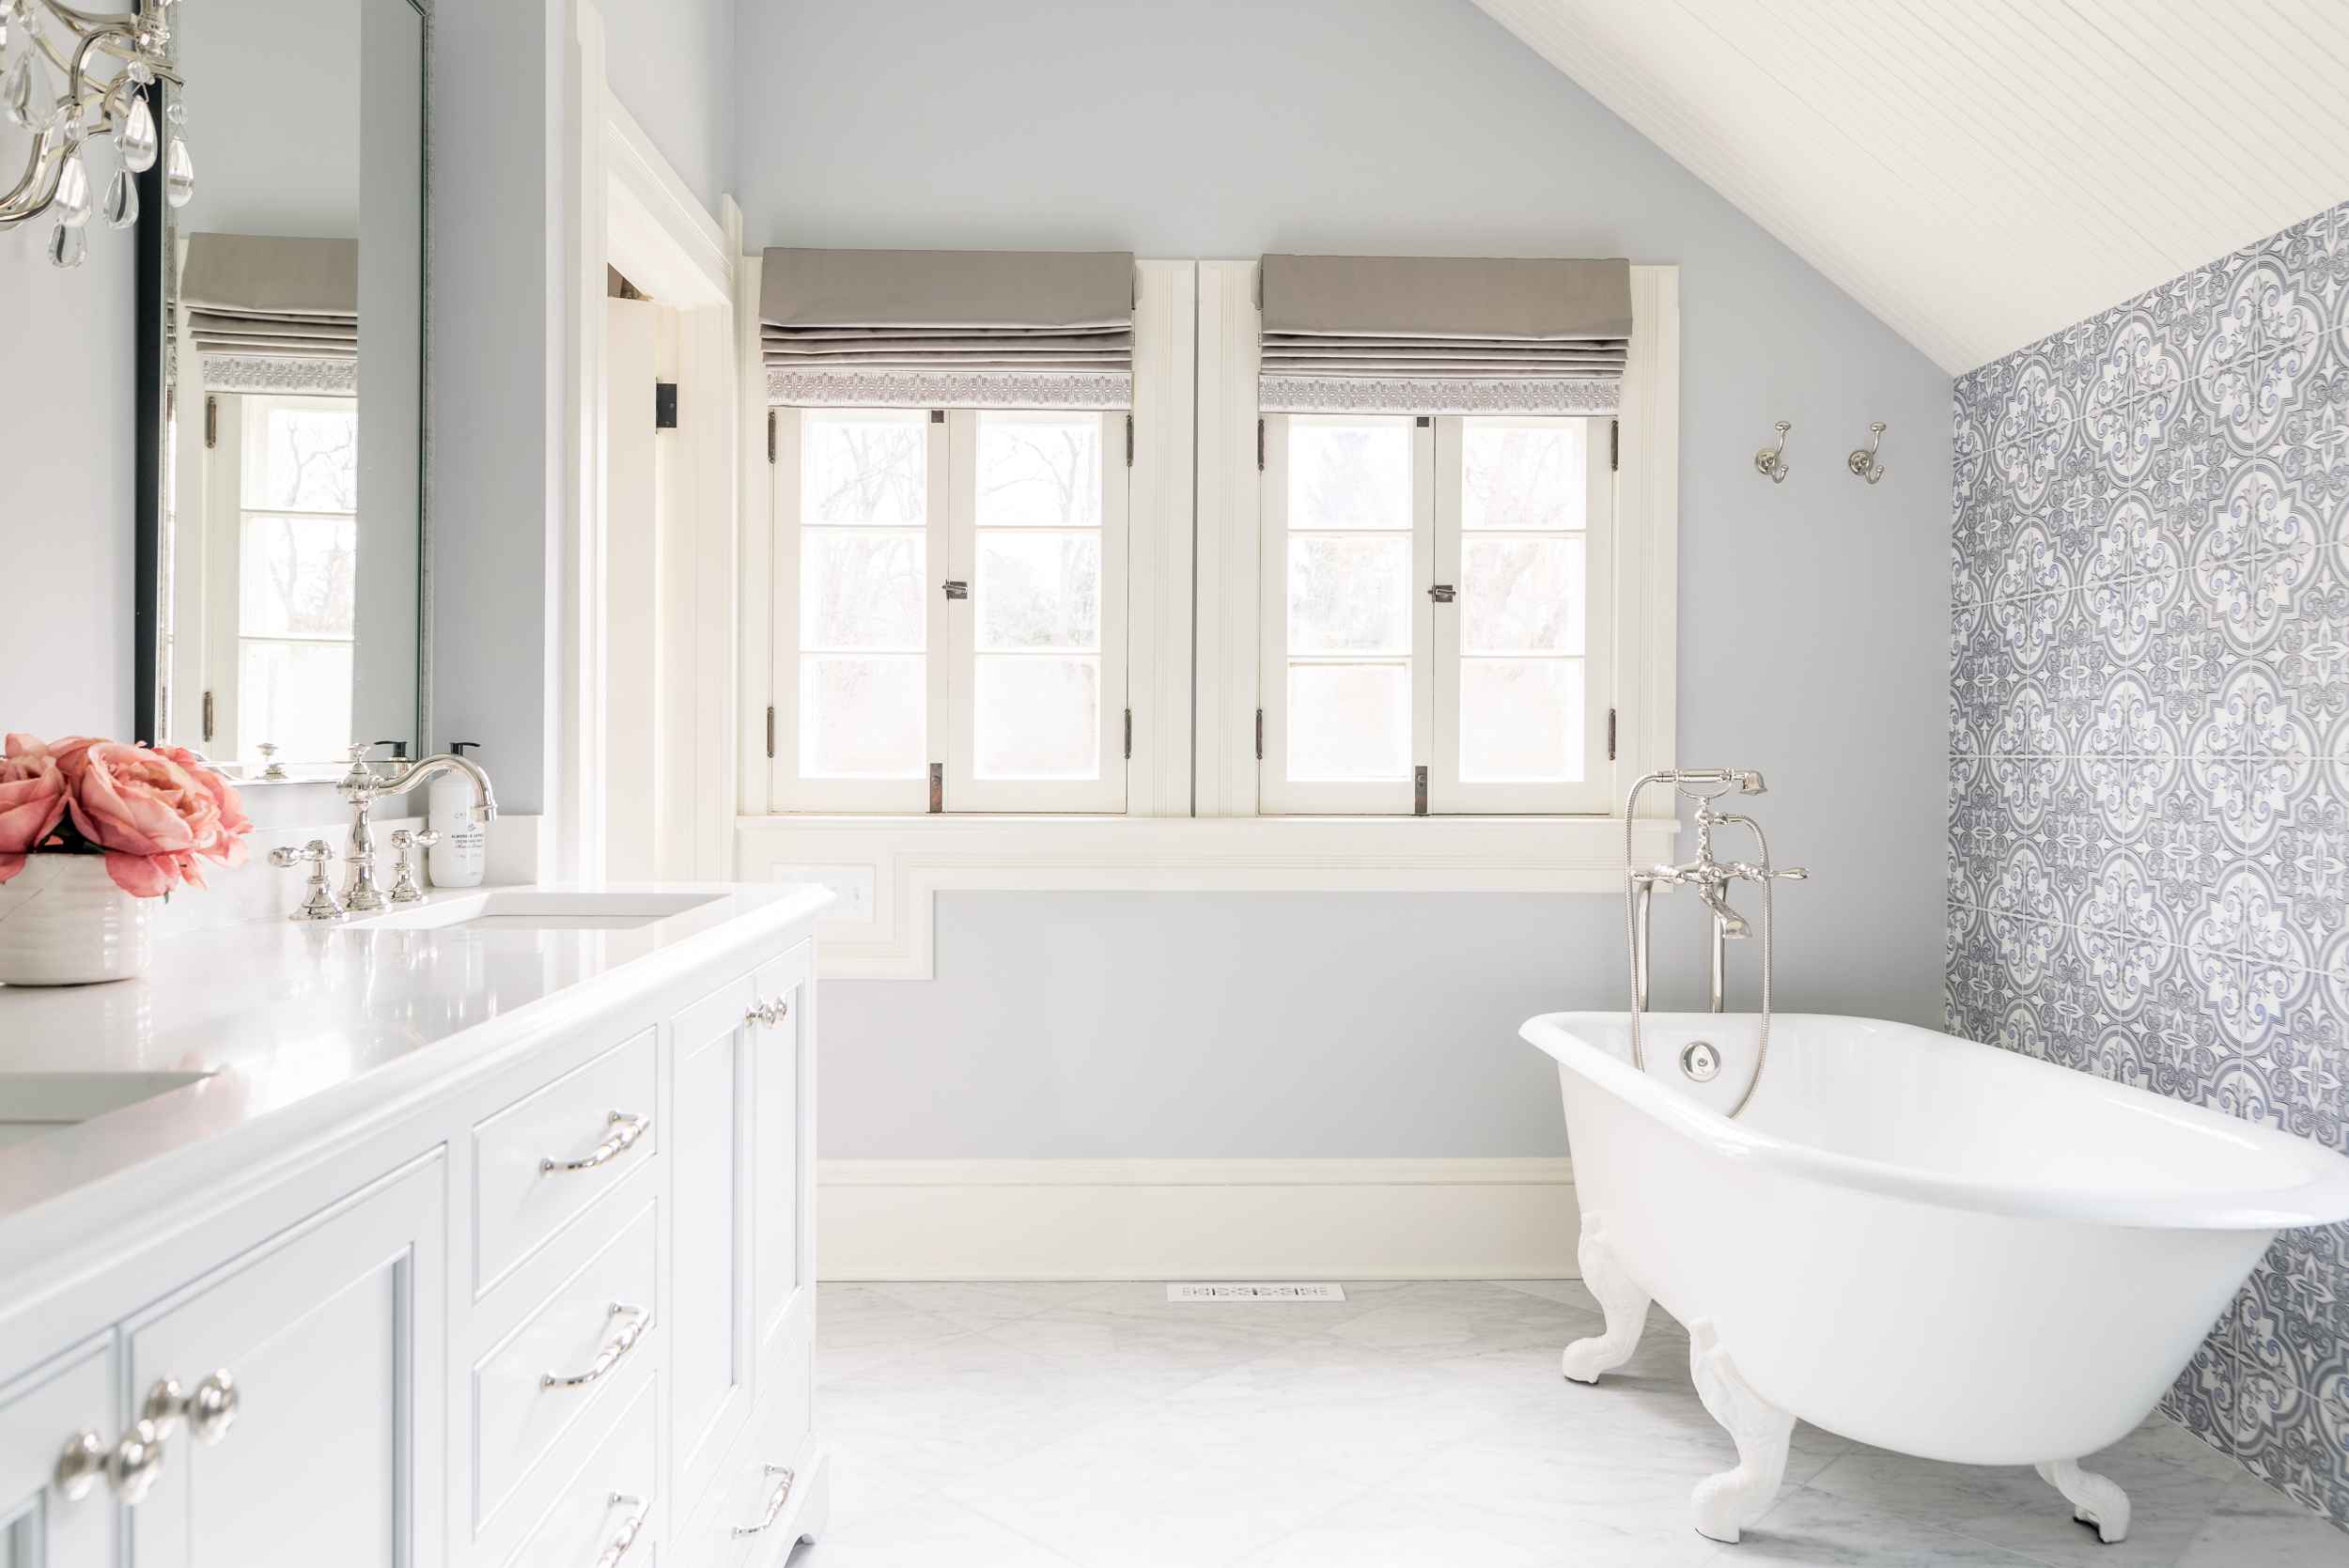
(539, 910)
(32, 1104)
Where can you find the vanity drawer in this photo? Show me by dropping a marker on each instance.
(587, 1337)
(553, 1152)
(604, 1515)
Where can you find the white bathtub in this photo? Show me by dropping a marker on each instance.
(1913, 1240)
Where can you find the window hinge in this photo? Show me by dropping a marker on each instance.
(1129, 735)
(1610, 735)
(1424, 421)
(1419, 792)
(207, 718)
(938, 788)
(665, 405)
(770, 732)
(1129, 440)
(1260, 447)
(212, 423)
(771, 438)
(937, 417)
(1614, 445)
(1260, 735)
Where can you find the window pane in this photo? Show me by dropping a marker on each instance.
(1351, 594)
(1350, 476)
(861, 589)
(1521, 594)
(862, 718)
(864, 467)
(1521, 721)
(1037, 719)
(1039, 590)
(1349, 723)
(296, 575)
(296, 695)
(1039, 470)
(1523, 476)
(310, 458)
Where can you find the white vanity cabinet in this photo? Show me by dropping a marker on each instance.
(552, 1306)
(297, 1392)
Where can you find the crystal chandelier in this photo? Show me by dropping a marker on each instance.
(72, 80)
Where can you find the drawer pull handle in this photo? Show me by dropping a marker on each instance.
(610, 1356)
(210, 1411)
(625, 1131)
(775, 1500)
(767, 1013)
(627, 1538)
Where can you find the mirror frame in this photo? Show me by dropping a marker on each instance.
(150, 240)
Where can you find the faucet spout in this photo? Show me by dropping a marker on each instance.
(485, 800)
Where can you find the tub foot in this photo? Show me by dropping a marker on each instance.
(1726, 1503)
(2094, 1499)
(1619, 1296)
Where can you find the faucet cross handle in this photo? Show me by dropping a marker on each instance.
(317, 902)
(405, 842)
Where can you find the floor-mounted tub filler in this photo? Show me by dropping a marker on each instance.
(1913, 1240)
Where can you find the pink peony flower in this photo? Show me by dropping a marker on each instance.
(146, 812)
(32, 801)
(228, 846)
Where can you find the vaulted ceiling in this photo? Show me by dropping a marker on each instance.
(1978, 175)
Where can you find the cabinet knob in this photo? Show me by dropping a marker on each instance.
(135, 1463)
(210, 1411)
(80, 1465)
(767, 1013)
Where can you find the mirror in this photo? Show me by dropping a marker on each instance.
(281, 560)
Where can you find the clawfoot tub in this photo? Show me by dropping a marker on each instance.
(1918, 1242)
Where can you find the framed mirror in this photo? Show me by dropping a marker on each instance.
(281, 550)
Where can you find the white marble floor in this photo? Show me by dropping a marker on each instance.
(1045, 1425)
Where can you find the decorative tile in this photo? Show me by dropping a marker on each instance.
(2149, 792)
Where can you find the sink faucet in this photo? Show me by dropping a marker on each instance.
(361, 786)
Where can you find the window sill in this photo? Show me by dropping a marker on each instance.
(887, 870)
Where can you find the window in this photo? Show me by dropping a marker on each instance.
(287, 570)
(950, 607)
(1435, 623)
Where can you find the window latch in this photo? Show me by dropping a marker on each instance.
(956, 588)
(1441, 593)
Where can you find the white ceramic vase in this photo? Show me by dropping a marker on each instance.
(63, 922)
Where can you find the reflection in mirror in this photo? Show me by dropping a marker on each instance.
(289, 563)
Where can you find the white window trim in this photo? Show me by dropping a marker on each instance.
(889, 869)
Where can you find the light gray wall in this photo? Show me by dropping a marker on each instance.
(671, 63)
(66, 414)
(274, 116)
(1814, 621)
(496, 380)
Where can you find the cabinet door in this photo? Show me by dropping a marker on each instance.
(784, 1139)
(50, 1519)
(329, 1449)
(710, 1268)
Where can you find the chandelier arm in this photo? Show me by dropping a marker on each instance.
(10, 215)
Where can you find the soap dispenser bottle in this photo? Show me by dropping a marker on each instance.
(461, 853)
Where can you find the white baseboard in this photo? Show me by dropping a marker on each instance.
(1196, 1219)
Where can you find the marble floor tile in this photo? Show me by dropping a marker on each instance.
(1083, 1426)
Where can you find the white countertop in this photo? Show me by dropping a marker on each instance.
(296, 1024)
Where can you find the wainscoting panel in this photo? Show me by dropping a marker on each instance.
(2149, 769)
(1197, 1220)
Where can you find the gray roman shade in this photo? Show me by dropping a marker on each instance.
(1444, 335)
(254, 303)
(1003, 329)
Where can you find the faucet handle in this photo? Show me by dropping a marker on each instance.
(405, 841)
(318, 902)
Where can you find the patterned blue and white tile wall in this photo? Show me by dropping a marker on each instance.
(2149, 769)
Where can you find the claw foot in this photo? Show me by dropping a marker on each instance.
(2094, 1499)
(1619, 1296)
(1726, 1503)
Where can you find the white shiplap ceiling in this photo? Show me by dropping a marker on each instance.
(1981, 174)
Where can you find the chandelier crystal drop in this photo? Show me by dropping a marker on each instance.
(72, 84)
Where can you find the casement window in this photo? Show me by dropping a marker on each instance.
(285, 479)
(1436, 614)
(950, 613)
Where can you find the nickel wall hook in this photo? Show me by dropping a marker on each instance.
(1863, 459)
(1770, 462)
